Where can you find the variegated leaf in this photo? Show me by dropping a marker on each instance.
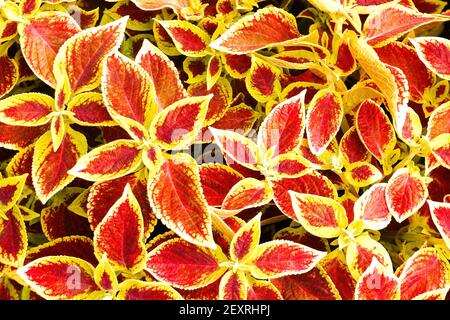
(268, 27)
(377, 283)
(246, 239)
(321, 216)
(50, 169)
(132, 289)
(120, 235)
(79, 60)
(9, 74)
(59, 277)
(41, 39)
(176, 126)
(176, 197)
(185, 265)
(391, 22)
(127, 89)
(26, 109)
(278, 258)
(237, 147)
(167, 85)
(406, 193)
(109, 161)
(189, 39)
(323, 121)
(13, 237)
(374, 129)
(440, 213)
(282, 130)
(362, 251)
(435, 53)
(372, 209)
(426, 270)
(233, 286)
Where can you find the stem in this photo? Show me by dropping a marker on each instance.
(275, 219)
(410, 156)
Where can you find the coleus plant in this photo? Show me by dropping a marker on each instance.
(288, 150)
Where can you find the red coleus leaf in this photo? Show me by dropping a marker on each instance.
(237, 65)
(132, 289)
(237, 147)
(362, 174)
(426, 270)
(438, 128)
(282, 130)
(278, 258)
(336, 268)
(59, 277)
(103, 195)
(120, 235)
(247, 193)
(50, 168)
(9, 74)
(321, 216)
(262, 80)
(267, 27)
(104, 275)
(167, 85)
(185, 265)
(58, 221)
(10, 191)
(435, 54)
(74, 246)
(246, 239)
(18, 137)
(289, 166)
(311, 183)
(213, 71)
(176, 126)
(41, 39)
(351, 148)
(79, 61)
(374, 129)
(217, 180)
(218, 106)
(377, 283)
(233, 286)
(391, 22)
(127, 89)
(89, 110)
(189, 39)
(27, 109)
(13, 237)
(323, 121)
(372, 208)
(21, 164)
(440, 212)
(362, 251)
(239, 118)
(406, 193)
(404, 57)
(176, 198)
(124, 156)
(262, 290)
(313, 285)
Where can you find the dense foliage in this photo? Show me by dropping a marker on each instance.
(224, 149)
